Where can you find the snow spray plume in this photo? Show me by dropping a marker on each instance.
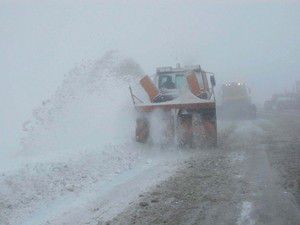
(90, 108)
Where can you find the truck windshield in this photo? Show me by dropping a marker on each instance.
(166, 81)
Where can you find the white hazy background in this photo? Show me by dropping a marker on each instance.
(41, 41)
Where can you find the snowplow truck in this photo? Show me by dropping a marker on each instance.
(236, 102)
(183, 97)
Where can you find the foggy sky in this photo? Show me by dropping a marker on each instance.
(40, 41)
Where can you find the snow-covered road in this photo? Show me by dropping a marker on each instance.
(133, 183)
(234, 184)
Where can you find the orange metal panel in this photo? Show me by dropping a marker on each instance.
(193, 83)
(204, 76)
(149, 87)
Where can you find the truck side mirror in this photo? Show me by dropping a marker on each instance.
(212, 80)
